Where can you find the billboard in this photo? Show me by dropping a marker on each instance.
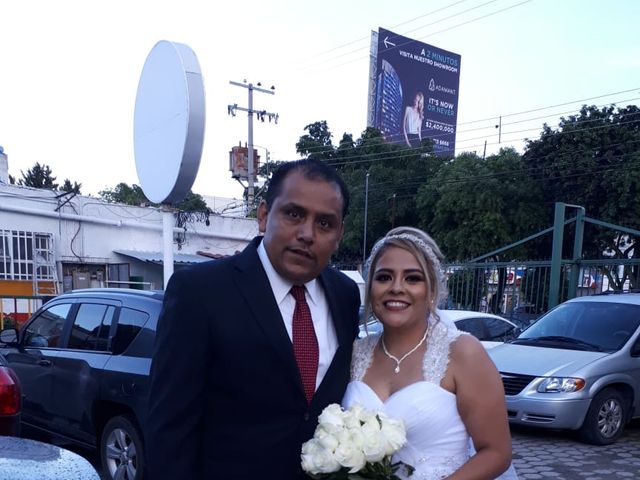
(416, 92)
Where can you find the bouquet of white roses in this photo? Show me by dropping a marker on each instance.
(354, 444)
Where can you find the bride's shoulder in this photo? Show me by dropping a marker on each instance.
(361, 357)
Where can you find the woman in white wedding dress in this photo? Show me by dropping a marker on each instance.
(438, 380)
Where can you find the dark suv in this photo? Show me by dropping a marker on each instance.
(83, 362)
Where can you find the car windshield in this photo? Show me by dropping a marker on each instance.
(597, 326)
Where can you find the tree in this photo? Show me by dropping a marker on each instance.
(317, 143)
(193, 202)
(592, 160)
(123, 193)
(395, 173)
(68, 187)
(472, 206)
(38, 176)
(133, 195)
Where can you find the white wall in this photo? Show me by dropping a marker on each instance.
(88, 230)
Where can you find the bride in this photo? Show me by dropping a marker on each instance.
(439, 380)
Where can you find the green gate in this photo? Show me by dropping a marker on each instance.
(523, 290)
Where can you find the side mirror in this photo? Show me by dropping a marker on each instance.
(9, 336)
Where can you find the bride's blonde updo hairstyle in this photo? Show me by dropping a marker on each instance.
(426, 252)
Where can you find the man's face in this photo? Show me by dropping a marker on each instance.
(303, 227)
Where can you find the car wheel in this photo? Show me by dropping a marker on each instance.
(605, 418)
(121, 449)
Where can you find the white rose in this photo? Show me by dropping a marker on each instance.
(326, 439)
(374, 447)
(370, 426)
(316, 459)
(394, 433)
(367, 416)
(349, 455)
(356, 437)
(357, 412)
(331, 418)
(350, 419)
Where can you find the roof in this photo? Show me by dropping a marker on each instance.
(158, 257)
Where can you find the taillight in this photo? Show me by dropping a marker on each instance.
(9, 392)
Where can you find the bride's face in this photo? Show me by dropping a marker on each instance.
(399, 291)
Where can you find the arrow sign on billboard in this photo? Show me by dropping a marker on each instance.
(387, 42)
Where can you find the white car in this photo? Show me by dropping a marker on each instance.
(490, 329)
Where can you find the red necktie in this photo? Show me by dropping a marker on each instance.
(305, 343)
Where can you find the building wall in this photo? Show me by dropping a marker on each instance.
(87, 231)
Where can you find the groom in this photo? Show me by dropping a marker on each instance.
(242, 368)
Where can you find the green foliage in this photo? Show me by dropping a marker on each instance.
(393, 172)
(192, 202)
(472, 206)
(123, 193)
(317, 143)
(41, 176)
(67, 186)
(591, 160)
(38, 176)
(133, 195)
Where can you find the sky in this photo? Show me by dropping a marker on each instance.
(69, 72)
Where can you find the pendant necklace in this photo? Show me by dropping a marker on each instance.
(395, 359)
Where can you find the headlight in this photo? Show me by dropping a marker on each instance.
(560, 384)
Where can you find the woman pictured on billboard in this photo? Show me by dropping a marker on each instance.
(412, 121)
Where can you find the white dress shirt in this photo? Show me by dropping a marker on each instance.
(320, 313)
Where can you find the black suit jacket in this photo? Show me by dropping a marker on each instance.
(226, 398)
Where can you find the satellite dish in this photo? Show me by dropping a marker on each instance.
(169, 118)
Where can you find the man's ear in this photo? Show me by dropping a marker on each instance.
(262, 215)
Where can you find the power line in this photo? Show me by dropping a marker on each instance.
(415, 29)
(394, 26)
(402, 152)
(636, 89)
(435, 33)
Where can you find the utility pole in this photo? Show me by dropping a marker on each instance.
(366, 206)
(393, 210)
(261, 114)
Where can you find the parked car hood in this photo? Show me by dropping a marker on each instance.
(540, 361)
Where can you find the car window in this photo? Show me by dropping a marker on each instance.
(130, 322)
(91, 326)
(497, 328)
(46, 328)
(608, 325)
(474, 326)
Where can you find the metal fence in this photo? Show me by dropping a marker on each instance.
(520, 290)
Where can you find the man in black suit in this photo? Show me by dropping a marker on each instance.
(227, 399)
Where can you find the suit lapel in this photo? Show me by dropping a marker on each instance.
(336, 309)
(341, 358)
(253, 284)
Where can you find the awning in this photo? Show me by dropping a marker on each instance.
(157, 257)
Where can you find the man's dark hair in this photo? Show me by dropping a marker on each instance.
(312, 170)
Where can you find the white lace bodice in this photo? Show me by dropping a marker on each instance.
(435, 361)
(437, 440)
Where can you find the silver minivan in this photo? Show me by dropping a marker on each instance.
(576, 368)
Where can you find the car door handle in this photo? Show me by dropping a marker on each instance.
(44, 363)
